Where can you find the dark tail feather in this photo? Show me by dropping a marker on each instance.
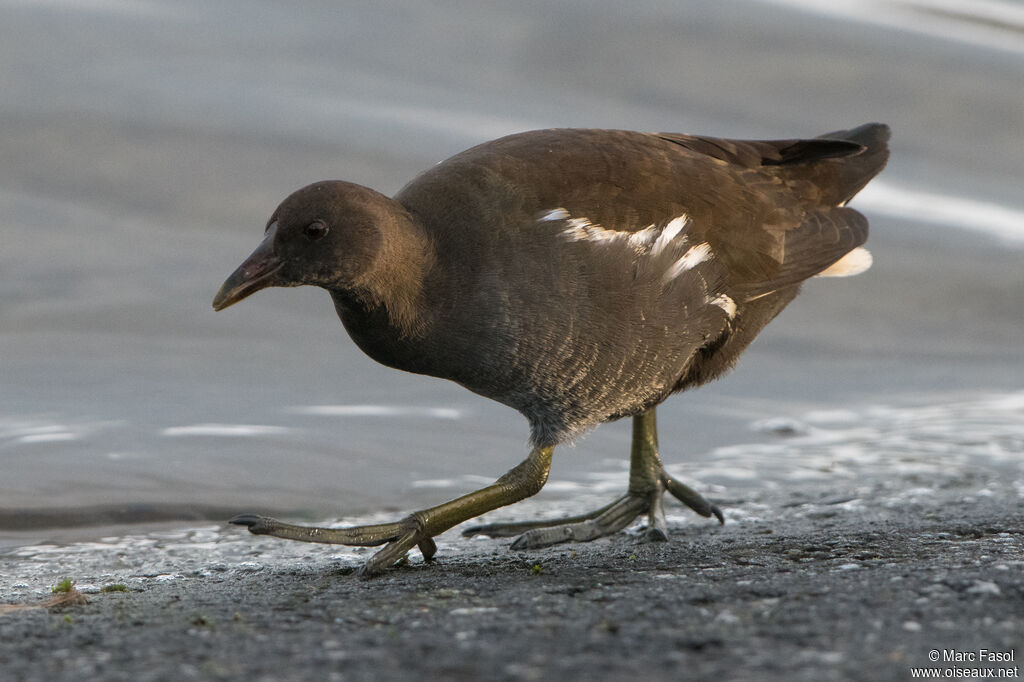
(836, 165)
(870, 135)
(853, 172)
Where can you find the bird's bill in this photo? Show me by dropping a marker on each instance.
(259, 271)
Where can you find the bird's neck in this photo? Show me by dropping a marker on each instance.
(395, 282)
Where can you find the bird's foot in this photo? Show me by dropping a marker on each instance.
(398, 537)
(606, 520)
(419, 528)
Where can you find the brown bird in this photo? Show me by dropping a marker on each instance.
(578, 276)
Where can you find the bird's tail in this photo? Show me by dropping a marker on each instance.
(854, 171)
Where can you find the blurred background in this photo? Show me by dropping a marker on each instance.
(144, 143)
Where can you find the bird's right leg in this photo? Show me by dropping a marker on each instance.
(648, 482)
(419, 528)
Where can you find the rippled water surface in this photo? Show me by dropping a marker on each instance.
(144, 148)
(822, 464)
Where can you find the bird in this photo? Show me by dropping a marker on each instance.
(578, 276)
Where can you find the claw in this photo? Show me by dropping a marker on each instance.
(428, 548)
(657, 528)
(656, 535)
(257, 524)
(691, 498)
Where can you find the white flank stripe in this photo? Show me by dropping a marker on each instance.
(554, 214)
(582, 229)
(725, 303)
(693, 257)
(640, 239)
(941, 209)
(670, 232)
(675, 226)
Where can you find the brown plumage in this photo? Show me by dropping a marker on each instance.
(577, 276)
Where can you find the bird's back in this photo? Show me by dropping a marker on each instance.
(584, 275)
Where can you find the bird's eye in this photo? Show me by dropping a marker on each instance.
(315, 230)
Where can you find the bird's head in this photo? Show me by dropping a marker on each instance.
(327, 234)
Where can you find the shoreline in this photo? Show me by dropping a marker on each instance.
(842, 558)
(814, 595)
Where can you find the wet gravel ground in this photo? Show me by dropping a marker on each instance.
(816, 592)
(857, 545)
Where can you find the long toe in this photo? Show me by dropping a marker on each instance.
(657, 526)
(692, 499)
(501, 530)
(397, 549)
(256, 524)
(612, 519)
(604, 521)
(508, 530)
(546, 537)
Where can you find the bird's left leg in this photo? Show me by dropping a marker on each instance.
(648, 483)
(419, 528)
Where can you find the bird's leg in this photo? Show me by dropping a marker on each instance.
(647, 485)
(419, 528)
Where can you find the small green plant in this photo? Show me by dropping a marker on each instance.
(537, 569)
(202, 621)
(64, 586)
(116, 587)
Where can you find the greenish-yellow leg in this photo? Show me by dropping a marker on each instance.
(419, 528)
(647, 485)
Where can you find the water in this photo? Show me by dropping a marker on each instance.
(989, 24)
(898, 456)
(144, 147)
